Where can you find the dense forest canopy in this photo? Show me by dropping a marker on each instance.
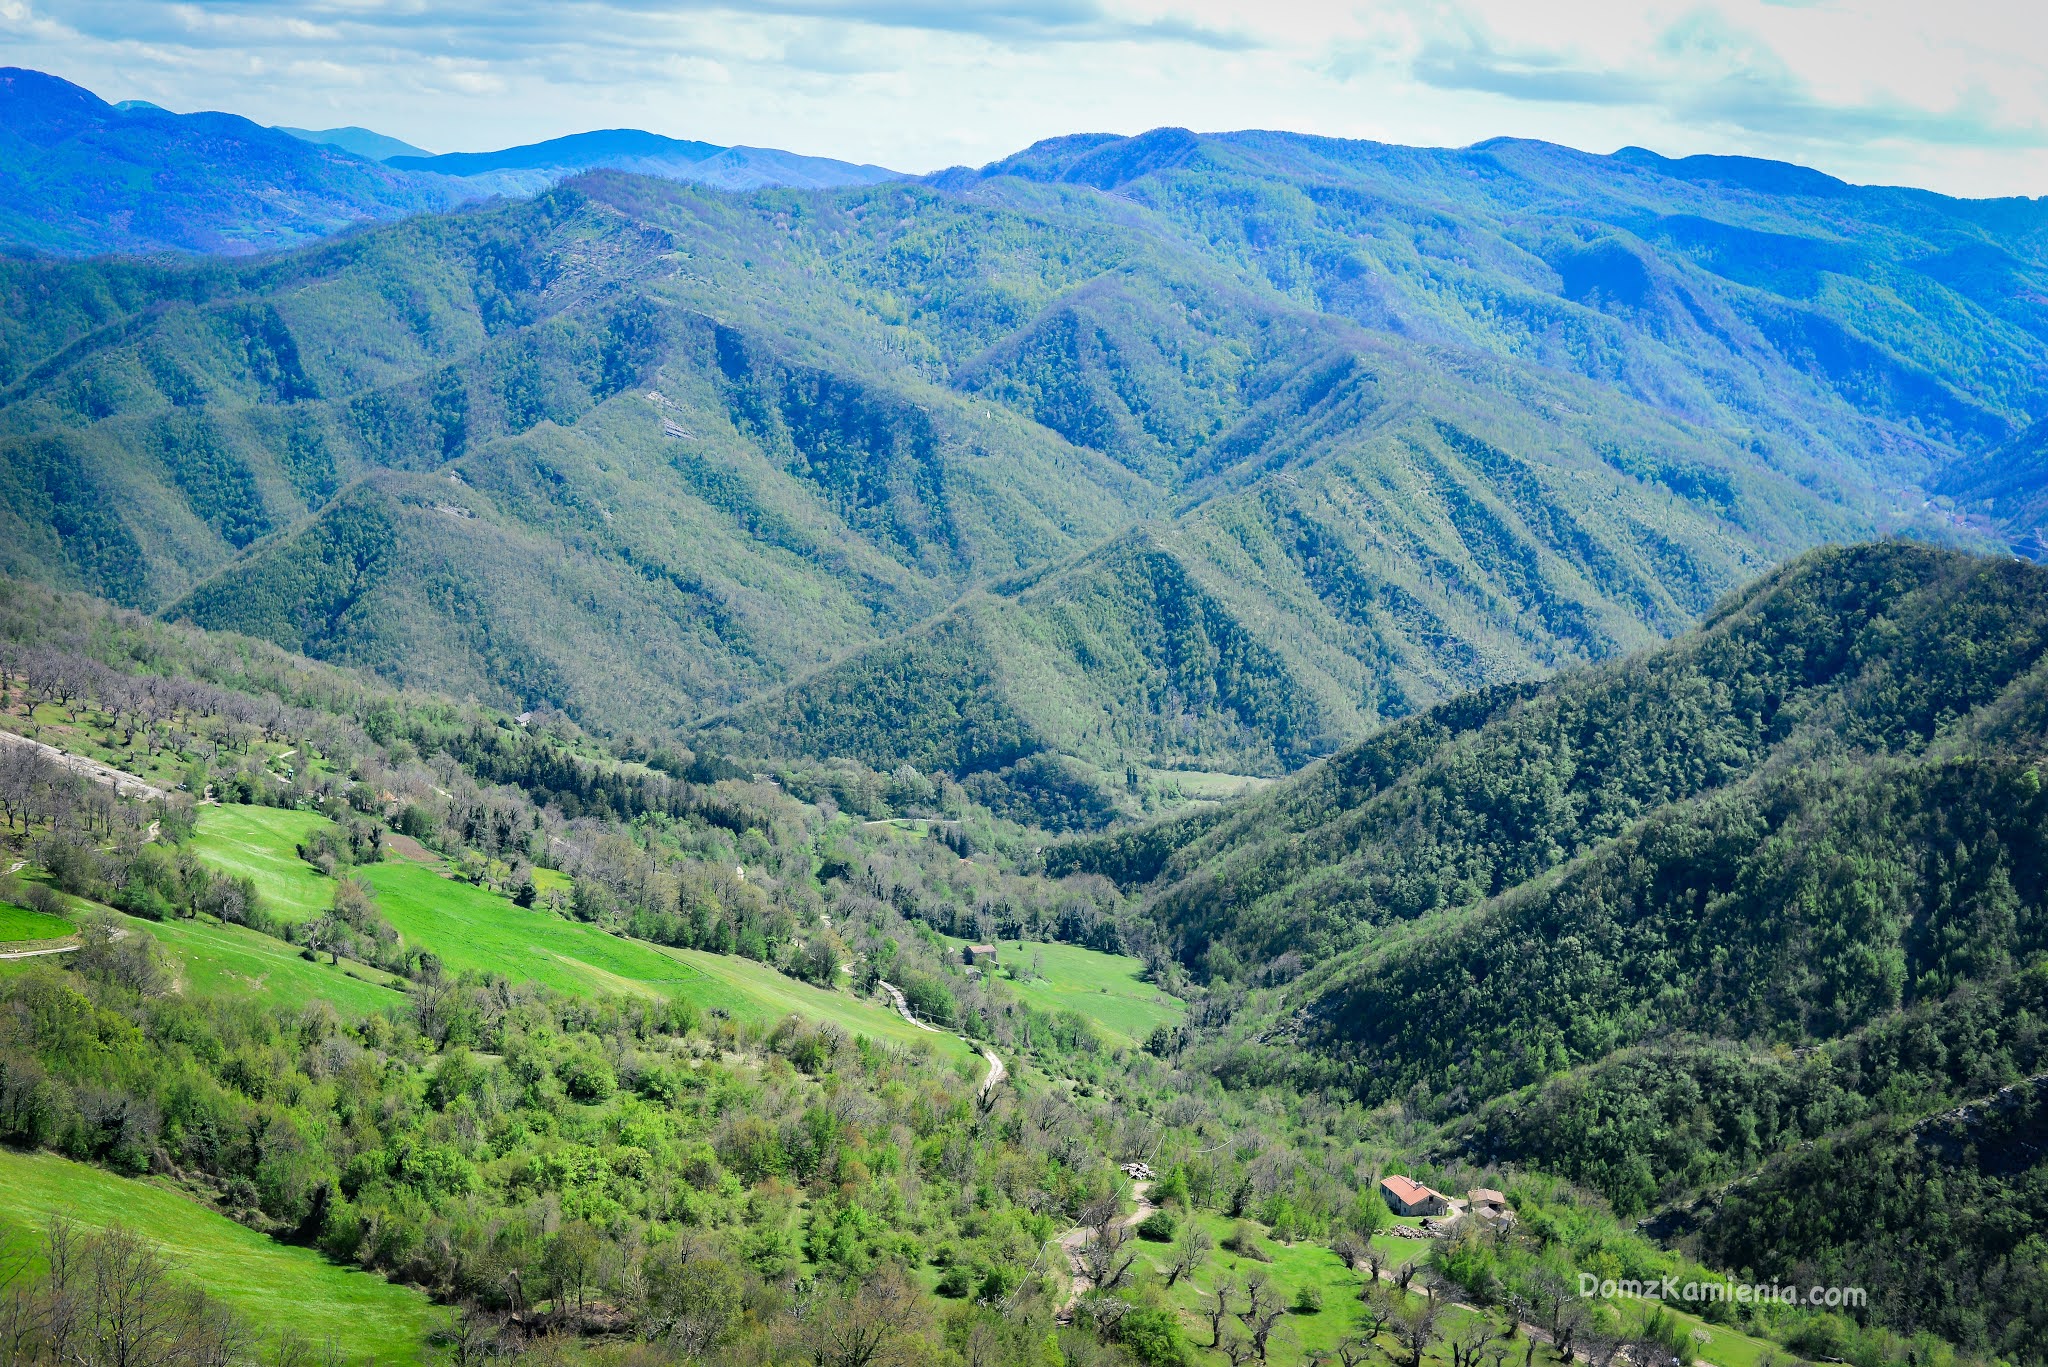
(1114, 460)
(954, 772)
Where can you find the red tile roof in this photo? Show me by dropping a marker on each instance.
(1405, 1191)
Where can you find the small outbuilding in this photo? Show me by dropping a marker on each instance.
(979, 954)
(1488, 1204)
(1407, 1197)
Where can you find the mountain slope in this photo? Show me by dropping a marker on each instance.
(1827, 322)
(361, 142)
(535, 166)
(775, 432)
(789, 458)
(1658, 923)
(1873, 649)
(78, 176)
(2006, 488)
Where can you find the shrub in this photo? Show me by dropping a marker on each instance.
(587, 1076)
(1154, 1337)
(999, 1282)
(1244, 1241)
(1158, 1227)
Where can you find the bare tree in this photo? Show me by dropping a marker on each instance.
(692, 1298)
(1570, 1320)
(1471, 1340)
(1375, 1312)
(877, 1324)
(1108, 1255)
(1219, 1310)
(1262, 1310)
(1240, 1350)
(1356, 1349)
(1414, 1328)
(108, 1297)
(477, 1337)
(1188, 1253)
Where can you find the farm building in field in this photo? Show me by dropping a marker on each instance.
(1406, 1197)
(979, 954)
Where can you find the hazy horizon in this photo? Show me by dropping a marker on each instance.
(1871, 92)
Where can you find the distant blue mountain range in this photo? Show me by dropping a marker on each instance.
(81, 177)
(363, 142)
(536, 165)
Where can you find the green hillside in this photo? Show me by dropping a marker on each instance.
(1109, 989)
(1225, 467)
(277, 1287)
(1723, 959)
(472, 930)
(1663, 924)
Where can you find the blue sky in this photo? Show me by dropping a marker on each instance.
(1950, 95)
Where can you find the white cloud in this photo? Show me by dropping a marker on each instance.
(1952, 96)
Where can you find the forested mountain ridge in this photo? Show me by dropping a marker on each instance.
(1211, 510)
(1864, 651)
(1838, 322)
(79, 176)
(523, 170)
(1658, 923)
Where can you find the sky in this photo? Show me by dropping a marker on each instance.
(1950, 95)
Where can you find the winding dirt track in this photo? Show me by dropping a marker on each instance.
(996, 1071)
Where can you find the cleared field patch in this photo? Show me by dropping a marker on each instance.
(275, 1285)
(472, 929)
(1109, 989)
(774, 995)
(20, 925)
(217, 960)
(261, 843)
(1205, 785)
(1301, 1336)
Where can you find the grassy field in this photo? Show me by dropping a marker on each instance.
(212, 958)
(21, 924)
(471, 928)
(474, 929)
(1108, 989)
(1723, 1347)
(1203, 785)
(261, 844)
(217, 960)
(275, 1285)
(763, 989)
(1292, 1267)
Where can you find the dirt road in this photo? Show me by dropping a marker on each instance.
(38, 953)
(996, 1071)
(123, 783)
(1075, 1239)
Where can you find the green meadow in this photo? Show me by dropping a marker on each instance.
(1109, 989)
(261, 843)
(217, 960)
(276, 1286)
(19, 924)
(473, 929)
